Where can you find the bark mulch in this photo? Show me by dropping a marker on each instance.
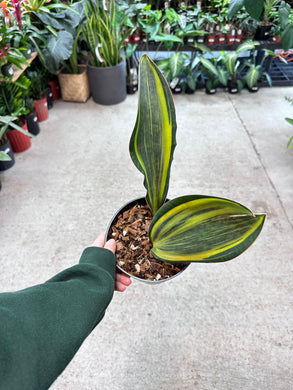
(130, 231)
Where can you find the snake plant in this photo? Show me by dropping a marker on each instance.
(193, 227)
(105, 32)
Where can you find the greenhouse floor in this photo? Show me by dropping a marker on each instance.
(219, 326)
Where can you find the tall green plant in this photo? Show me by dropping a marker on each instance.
(105, 32)
(189, 228)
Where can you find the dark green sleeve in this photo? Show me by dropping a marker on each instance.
(42, 327)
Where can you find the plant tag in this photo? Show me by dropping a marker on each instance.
(35, 118)
(174, 82)
(233, 90)
(7, 150)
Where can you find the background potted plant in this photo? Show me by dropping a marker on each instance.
(8, 123)
(232, 63)
(215, 74)
(13, 105)
(39, 77)
(105, 31)
(73, 77)
(183, 230)
(172, 69)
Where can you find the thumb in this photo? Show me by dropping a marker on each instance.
(111, 245)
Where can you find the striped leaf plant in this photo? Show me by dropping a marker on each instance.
(192, 228)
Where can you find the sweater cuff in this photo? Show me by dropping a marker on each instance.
(99, 256)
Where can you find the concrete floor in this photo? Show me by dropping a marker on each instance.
(218, 326)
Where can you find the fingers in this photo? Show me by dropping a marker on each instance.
(111, 245)
(100, 243)
(122, 281)
(100, 240)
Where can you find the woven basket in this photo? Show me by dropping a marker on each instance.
(74, 87)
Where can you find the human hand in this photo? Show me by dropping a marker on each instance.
(122, 281)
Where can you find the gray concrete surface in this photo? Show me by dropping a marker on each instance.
(221, 326)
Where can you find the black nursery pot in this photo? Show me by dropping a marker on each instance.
(127, 206)
(7, 149)
(232, 87)
(263, 33)
(32, 123)
(49, 94)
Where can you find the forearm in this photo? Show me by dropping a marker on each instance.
(43, 326)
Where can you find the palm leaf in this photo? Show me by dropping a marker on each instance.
(202, 228)
(153, 140)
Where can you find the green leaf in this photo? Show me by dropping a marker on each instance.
(207, 64)
(203, 228)
(191, 82)
(289, 120)
(247, 45)
(234, 7)
(287, 37)
(153, 139)
(4, 156)
(176, 64)
(252, 76)
(254, 7)
(290, 143)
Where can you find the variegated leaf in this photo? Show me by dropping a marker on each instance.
(153, 138)
(203, 228)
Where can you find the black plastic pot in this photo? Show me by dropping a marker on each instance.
(140, 201)
(176, 90)
(7, 149)
(263, 33)
(253, 89)
(108, 84)
(48, 93)
(232, 87)
(32, 123)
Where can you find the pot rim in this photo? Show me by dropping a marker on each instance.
(128, 205)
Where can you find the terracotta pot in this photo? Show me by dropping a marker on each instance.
(211, 39)
(239, 38)
(127, 206)
(19, 141)
(55, 89)
(136, 38)
(230, 39)
(221, 39)
(41, 107)
(277, 39)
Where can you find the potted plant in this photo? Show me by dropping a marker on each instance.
(8, 123)
(255, 72)
(6, 153)
(105, 32)
(73, 76)
(234, 67)
(157, 239)
(12, 104)
(263, 32)
(173, 68)
(215, 74)
(38, 76)
(191, 74)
